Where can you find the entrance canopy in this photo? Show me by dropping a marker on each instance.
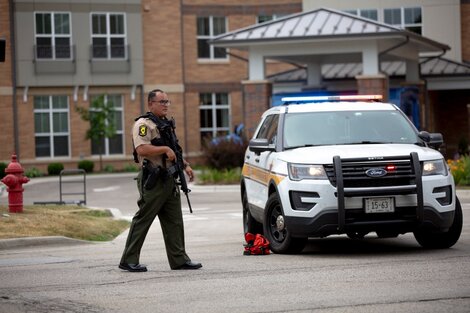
(326, 36)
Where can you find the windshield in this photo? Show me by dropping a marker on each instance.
(347, 127)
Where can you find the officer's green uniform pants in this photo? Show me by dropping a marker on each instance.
(162, 200)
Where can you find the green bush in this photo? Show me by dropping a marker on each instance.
(214, 176)
(86, 165)
(33, 172)
(109, 168)
(130, 168)
(226, 154)
(54, 168)
(3, 166)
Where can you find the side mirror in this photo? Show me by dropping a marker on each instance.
(434, 140)
(260, 145)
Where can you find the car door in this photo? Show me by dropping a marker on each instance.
(258, 171)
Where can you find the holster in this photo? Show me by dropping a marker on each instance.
(151, 175)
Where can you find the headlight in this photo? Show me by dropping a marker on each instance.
(435, 167)
(306, 171)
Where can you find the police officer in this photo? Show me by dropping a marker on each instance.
(162, 197)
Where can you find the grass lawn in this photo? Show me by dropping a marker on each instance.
(60, 220)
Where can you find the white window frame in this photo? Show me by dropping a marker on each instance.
(53, 35)
(213, 107)
(359, 12)
(209, 37)
(108, 36)
(118, 132)
(273, 17)
(50, 111)
(402, 23)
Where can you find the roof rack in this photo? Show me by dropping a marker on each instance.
(371, 98)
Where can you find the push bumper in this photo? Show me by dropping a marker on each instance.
(326, 223)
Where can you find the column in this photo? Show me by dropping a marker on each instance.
(373, 85)
(256, 99)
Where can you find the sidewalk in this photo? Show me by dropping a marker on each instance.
(25, 242)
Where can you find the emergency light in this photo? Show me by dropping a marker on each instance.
(334, 98)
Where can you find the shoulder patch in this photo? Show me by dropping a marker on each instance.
(142, 130)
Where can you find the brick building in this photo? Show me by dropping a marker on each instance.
(63, 54)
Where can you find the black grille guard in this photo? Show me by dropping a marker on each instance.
(342, 192)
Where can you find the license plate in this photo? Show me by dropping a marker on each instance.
(379, 205)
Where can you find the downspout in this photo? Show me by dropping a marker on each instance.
(13, 79)
(142, 100)
(183, 79)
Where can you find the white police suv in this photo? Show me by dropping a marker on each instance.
(320, 166)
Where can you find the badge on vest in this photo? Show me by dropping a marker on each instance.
(142, 130)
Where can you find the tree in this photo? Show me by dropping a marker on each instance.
(102, 125)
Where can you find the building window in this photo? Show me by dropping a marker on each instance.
(407, 18)
(371, 14)
(108, 36)
(53, 35)
(114, 145)
(265, 18)
(214, 115)
(208, 28)
(51, 126)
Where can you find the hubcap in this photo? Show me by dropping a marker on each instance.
(280, 223)
(277, 225)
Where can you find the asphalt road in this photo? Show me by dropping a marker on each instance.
(335, 274)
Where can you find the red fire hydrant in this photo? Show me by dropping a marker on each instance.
(14, 181)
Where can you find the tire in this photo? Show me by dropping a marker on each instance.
(250, 225)
(430, 240)
(276, 231)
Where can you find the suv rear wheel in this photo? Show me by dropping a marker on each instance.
(276, 230)
(428, 239)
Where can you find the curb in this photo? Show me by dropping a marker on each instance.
(26, 242)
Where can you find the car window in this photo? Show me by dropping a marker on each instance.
(268, 129)
(350, 127)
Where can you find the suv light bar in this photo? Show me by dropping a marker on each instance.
(334, 98)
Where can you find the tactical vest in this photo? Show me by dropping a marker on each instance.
(164, 127)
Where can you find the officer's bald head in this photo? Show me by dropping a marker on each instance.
(153, 94)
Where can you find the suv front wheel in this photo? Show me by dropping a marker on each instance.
(276, 230)
(428, 239)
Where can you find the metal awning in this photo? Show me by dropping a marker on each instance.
(322, 24)
(430, 67)
(330, 38)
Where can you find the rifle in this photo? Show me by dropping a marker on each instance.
(178, 164)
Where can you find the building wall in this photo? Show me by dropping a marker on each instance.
(84, 70)
(79, 86)
(6, 87)
(451, 116)
(221, 75)
(162, 38)
(465, 18)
